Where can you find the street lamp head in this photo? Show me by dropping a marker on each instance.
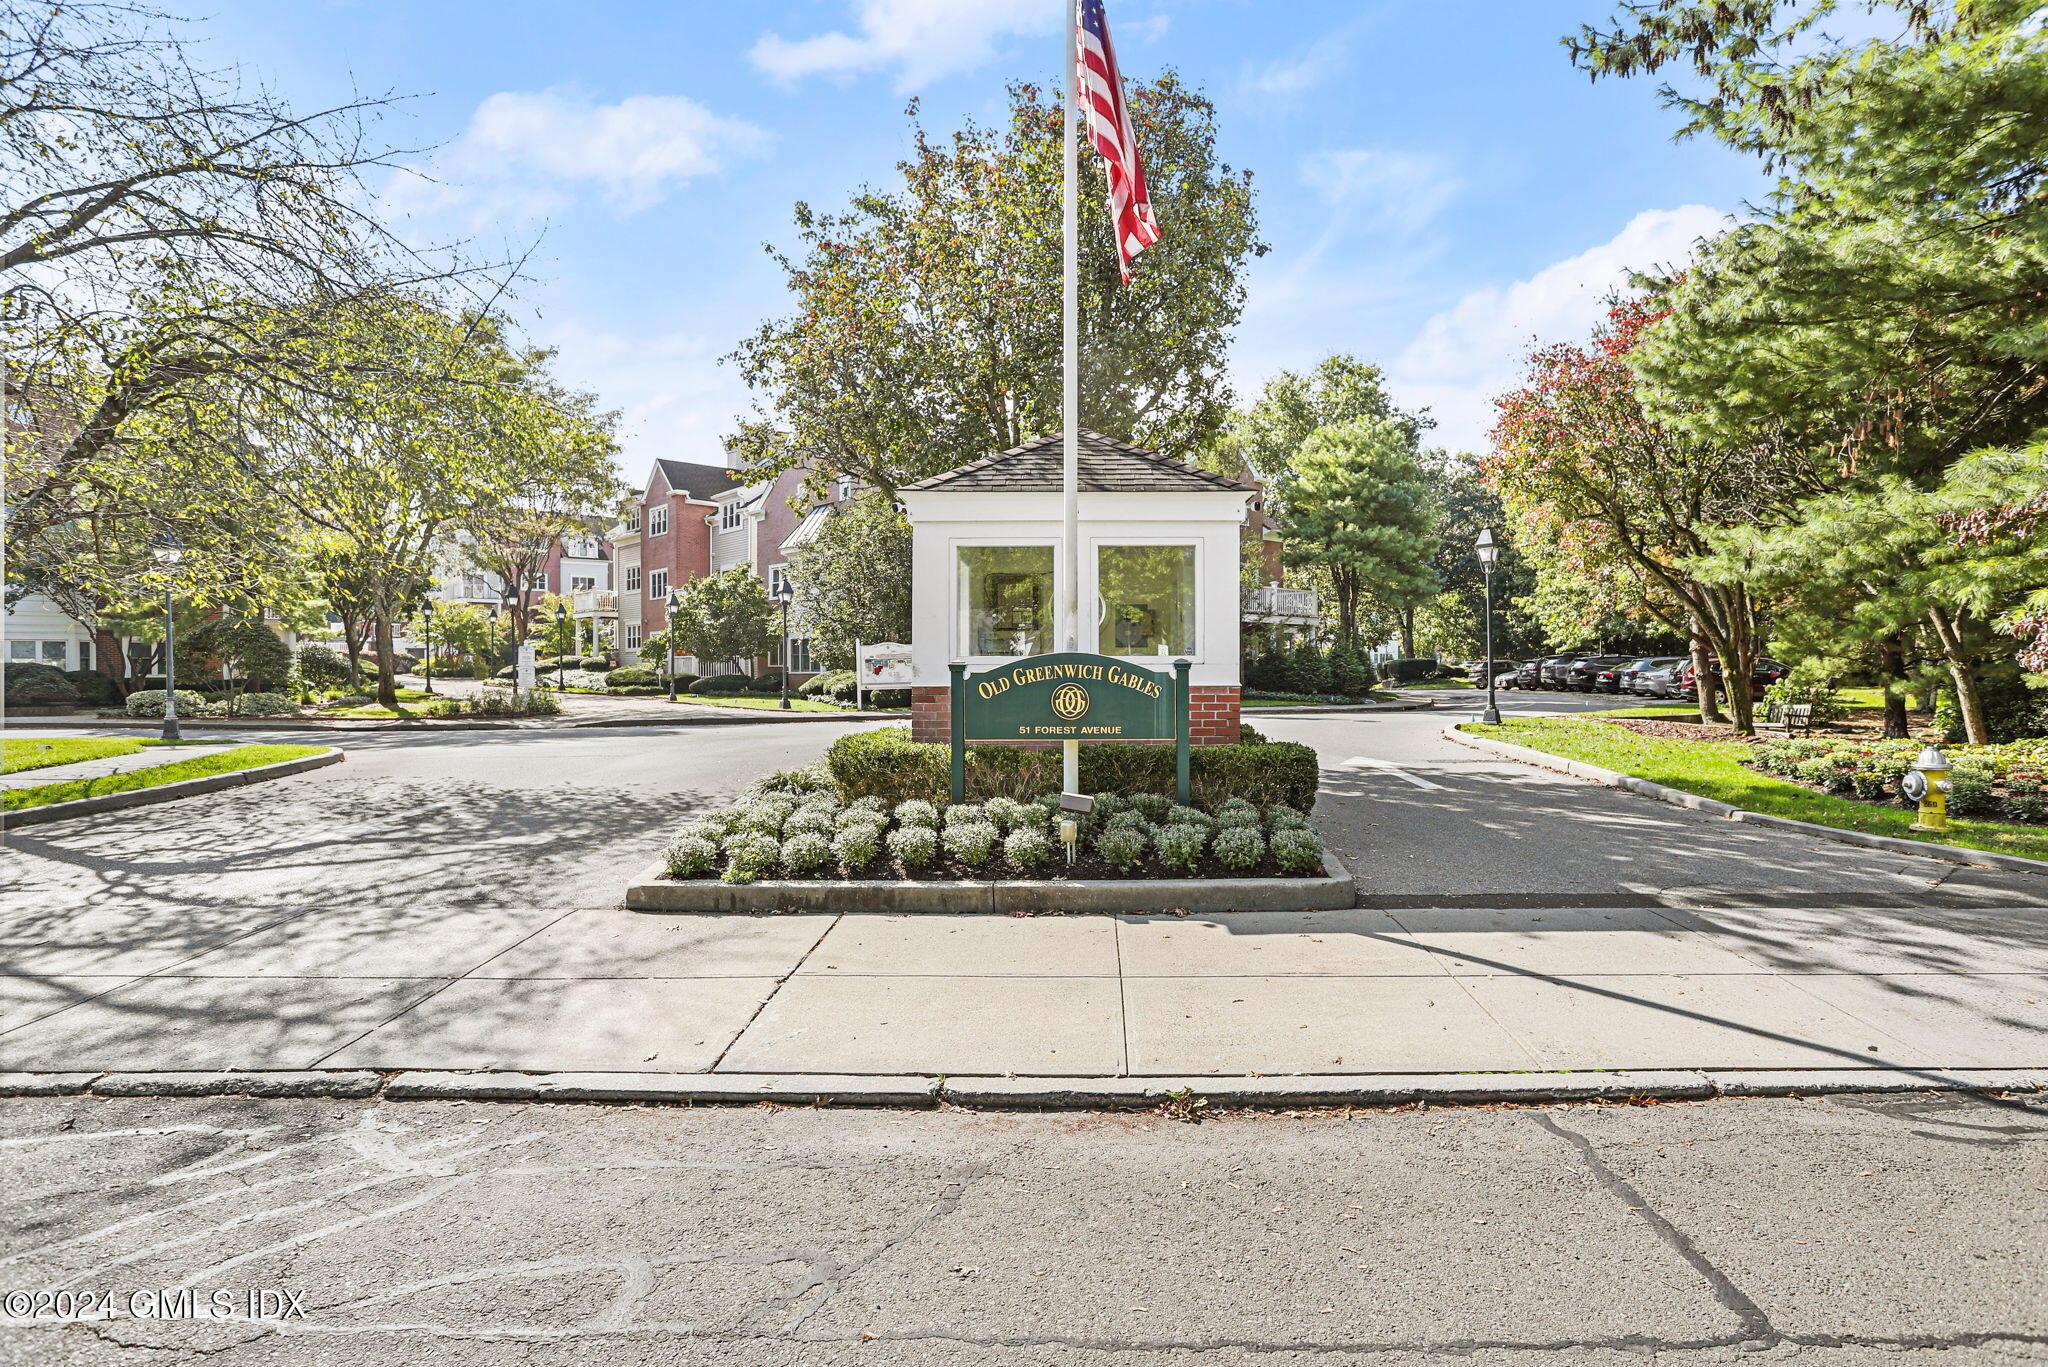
(785, 591)
(1486, 548)
(427, 608)
(675, 600)
(168, 549)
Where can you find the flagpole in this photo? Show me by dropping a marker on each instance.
(1070, 367)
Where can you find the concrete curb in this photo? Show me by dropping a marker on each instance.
(1953, 854)
(1246, 713)
(740, 716)
(167, 792)
(651, 891)
(1039, 1093)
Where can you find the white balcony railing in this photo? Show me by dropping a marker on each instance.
(1279, 601)
(594, 602)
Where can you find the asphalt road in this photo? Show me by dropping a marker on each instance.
(1841, 1233)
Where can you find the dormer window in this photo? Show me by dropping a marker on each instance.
(729, 516)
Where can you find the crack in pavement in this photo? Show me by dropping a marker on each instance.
(1756, 1324)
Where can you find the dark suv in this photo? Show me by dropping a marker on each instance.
(1584, 674)
(1551, 673)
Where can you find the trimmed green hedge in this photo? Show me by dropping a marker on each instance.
(889, 765)
(722, 683)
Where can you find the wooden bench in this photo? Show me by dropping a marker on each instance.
(1786, 716)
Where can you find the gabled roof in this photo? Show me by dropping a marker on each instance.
(698, 481)
(1107, 466)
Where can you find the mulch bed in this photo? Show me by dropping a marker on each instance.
(1860, 727)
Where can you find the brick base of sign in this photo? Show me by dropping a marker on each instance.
(1213, 716)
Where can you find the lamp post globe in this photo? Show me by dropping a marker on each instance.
(675, 601)
(1488, 551)
(169, 551)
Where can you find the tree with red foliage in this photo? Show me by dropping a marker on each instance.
(1620, 500)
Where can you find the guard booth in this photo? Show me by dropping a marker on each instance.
(1159, 573)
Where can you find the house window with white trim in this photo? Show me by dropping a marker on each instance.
(633, 520)
(657, 584)
(632, 579)
(729, 516)
(632, 635)
(1006, 605)
(1145, 596)
(537, 581)
(800, 656)
(657, 520)
(845, 487)
(778, 575)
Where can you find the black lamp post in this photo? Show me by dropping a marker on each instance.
(675, 601)
(491, 640)
(1488, 552)
(169, 551)
(561, 635)
(427, 614)
(786, 591)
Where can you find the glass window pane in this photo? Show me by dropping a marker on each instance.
(1006, 600)
(21, 650)
(53, 652)
(1148, 599)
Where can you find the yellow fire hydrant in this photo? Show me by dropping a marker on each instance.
(1927, 784)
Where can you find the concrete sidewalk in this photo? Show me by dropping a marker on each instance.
(1462, 990)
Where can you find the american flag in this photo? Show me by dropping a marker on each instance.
(1109, 128)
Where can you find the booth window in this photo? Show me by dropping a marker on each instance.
(1147, 599)
(1006, 600)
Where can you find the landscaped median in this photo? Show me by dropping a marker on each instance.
(231, 767)
(870, 830)
(1730, 774)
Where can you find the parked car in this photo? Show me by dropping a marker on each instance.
(1650, 677)
(1529, 677)
(1506, 679)
(1583, 673)
(1551, 673)
(1763, 674)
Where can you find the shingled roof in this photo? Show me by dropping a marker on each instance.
(1107, 467)
(697, 481)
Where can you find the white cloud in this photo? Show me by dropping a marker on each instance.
(1399, 190)
(1293, 76)
(524, 151)
(1472, 351)
(673, 397)
(920, 40)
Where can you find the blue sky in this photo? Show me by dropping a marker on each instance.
(1437, 184)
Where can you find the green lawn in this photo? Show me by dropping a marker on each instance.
(1711, 769)
(20, 756)
(199, 766)
(773, 701)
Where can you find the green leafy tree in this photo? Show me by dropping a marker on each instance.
(853, 579)
(242, 650)
(728, 618)
(926, 331)
(1454, 622)
(1357, 506)
(1265, 437)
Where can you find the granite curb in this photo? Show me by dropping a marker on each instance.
(1592, 773)
(1335, 890)
(1037, 1093)
(167, 792)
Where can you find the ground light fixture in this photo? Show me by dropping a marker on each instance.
(785, 591)
(169, 552)
(675, 603)
(1488, 551)
(427, 615)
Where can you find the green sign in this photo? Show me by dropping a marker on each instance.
(1072, 696)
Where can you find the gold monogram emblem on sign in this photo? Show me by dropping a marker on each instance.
(1070, 702)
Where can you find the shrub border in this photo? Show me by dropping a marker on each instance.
(654, 891)
(167, 792)
(1543, 759)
